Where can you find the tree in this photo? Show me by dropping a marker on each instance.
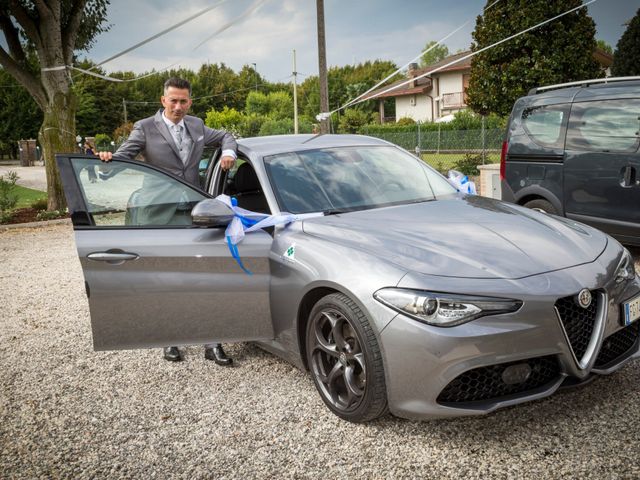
(438, 53)
(352, 120)
(560, 51)
(20, 115)
(345, 83)
(50, 32)
(626, 60)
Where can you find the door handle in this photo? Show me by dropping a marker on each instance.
(628, 177)
(114, 258)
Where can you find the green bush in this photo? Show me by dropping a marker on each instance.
(463, 120)
(8, 199)
(469, 164)
(406, 121)
(50, 215)
(251, 124)
(103, 141)
(40, 204)
(276, 127)
(352, 120)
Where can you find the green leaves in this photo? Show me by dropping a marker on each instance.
(626, 61)
(561, 51)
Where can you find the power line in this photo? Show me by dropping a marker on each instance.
(465, 57)
(439, 42)
(229, 92)
(159, 34)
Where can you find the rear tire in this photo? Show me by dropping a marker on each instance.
(345, 360)
(541, 206)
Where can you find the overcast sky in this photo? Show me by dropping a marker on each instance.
(356, 30)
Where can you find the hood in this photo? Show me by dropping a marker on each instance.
(473, 237)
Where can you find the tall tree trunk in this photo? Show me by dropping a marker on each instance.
(57, 135)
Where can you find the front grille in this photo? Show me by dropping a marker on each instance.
(617, 345)
(578, 322)
(486, 383)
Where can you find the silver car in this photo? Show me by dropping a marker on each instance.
(405, 296)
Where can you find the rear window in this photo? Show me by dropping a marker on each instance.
(545, 124)
(605, 126)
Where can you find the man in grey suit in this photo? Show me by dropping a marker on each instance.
(174, 141)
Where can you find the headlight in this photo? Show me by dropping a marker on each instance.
(443, 309)
(625, 270)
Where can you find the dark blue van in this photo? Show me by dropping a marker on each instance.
(572, 150)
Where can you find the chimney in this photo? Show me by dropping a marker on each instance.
(412, 72)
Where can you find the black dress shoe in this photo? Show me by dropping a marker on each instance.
(216, 353)
(172, 354)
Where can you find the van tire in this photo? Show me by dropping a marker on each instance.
(542, 206)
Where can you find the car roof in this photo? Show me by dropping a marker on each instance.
(274, 144)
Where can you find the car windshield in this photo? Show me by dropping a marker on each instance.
(353, 178)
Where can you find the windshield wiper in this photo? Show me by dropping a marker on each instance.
(336, 211)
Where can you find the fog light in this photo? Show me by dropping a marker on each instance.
(515, 374)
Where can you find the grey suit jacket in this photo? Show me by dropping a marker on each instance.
(152, 138)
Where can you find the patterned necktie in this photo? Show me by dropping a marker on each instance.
(178, 129)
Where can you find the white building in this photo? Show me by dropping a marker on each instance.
(433, 96)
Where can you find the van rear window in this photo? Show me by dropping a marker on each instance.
(605, 126)
(544, 124)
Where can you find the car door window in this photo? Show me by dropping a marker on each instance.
(544, 124)
(120, 194)
(605, 126)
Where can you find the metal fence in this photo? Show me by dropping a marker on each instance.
(448, 149)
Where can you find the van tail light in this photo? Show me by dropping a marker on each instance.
(503, 160)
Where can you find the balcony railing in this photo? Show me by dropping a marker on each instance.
(454, 100)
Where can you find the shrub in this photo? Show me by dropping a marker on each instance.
(469, 164)
(50, 215)
(8, 199)
(121, 133)
(103, 141)
(406, 121)
(251, 124)
(40, 204)
(276, 127)
(352, 120)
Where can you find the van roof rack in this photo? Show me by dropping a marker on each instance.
(536, 90)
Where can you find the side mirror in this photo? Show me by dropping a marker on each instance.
(211, 213)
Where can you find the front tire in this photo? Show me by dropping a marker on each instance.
(345, 360)
(541, 205)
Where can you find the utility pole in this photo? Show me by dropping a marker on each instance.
(255, 72)
(295, 95)
(322, 67)
(124, 109)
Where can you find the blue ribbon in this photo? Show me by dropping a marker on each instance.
(234, 253)
(251, 221)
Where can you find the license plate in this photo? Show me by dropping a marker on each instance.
(631, 310)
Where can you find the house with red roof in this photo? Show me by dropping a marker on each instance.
(440, 89)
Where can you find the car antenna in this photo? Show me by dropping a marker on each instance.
(313, 138)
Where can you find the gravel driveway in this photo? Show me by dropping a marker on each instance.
(66, 411)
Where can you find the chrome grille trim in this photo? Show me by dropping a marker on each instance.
(588, 359)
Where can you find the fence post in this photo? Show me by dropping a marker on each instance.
(419, 146)
(438, 146)
(484, 141)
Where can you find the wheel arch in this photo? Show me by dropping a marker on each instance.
(535, 192)
(309, 299)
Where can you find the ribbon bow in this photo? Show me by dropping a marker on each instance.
(246, 221)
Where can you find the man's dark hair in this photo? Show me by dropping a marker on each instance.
(176, 82)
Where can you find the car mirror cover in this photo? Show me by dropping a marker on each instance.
(211, 213)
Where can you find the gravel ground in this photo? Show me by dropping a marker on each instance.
(66, 411)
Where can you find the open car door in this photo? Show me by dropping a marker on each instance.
(153, 279)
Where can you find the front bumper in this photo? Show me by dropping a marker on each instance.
(443, 372)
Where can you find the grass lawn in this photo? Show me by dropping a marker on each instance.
(26, 196)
